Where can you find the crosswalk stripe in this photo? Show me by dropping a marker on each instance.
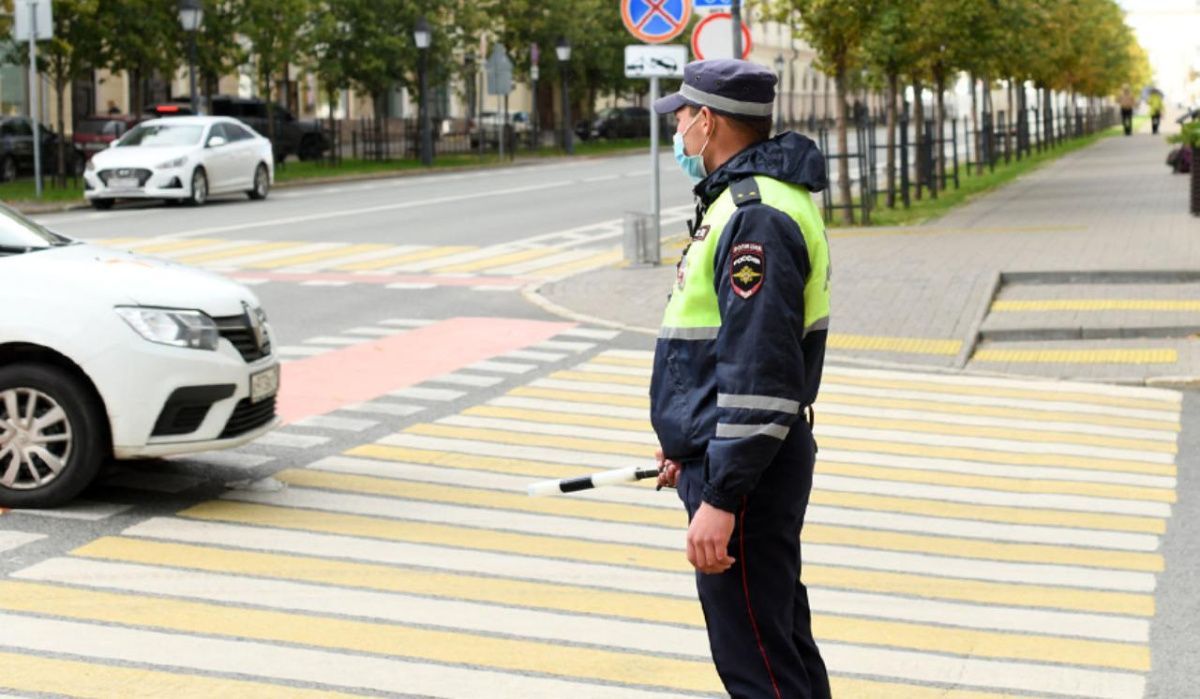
(158, 248)
(342, 262)
(496, 261)
(503, 367)
(565, 345)
(541, 625)
(464, 379)
(423, 393)
(468, 255)
(394, 260)
(460, 445)
(616, 436)
(40, 675)
(512, 400)
(815, 533)
(497, 436)
(364, 637)
(532, 355)
(561, 257)
(467, 461)
(329, 256)
(601, 377)
(247, 658)
(10, 540)
(464, 473)
(534, 390)
(240, 251)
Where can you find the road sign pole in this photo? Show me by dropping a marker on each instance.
(736, 11)
(34, 100)
(655, 200)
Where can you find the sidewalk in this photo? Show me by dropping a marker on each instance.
(1093, 263)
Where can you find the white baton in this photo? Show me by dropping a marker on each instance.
(573, 485)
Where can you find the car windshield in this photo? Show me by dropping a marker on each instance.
(18, 234)
(153, 135)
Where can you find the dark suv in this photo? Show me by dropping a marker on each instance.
(304, 139)
(619, 122)
(16, 150)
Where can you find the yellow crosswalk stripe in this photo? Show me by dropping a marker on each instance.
(992, 456)
(598, 446)
(849, 421)
(393, 640)
(306, 258)
(577, 397)
(1018, 594)
(239, 251)
(634, 514)
(1044, 305)
(73, 678)
(902, 345)
(601, 377)
(414, 256)
(174, 245)
(497, 261)
(616, 360)
(387, 578)
(1079, 356)
(641, 607)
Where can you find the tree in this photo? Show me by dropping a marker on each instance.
(889, 49)
(217, 51)
(142, 37)
(836, 30)
(279, 32)
(74, 50)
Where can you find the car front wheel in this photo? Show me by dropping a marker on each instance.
(51, 436)
(199, 193)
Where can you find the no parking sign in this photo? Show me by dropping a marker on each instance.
(656, 21)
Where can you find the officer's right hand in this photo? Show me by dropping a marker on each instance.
(668, 471)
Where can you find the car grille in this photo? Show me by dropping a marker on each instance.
(142, 174)
(237, 330)
(249, 416)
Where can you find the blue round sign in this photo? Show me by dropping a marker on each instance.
(656, 21)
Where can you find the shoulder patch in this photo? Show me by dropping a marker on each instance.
(745, 191)
(747, 269)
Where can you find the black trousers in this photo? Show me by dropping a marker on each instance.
(757, 613)
(1127, 120)
(1155, 120)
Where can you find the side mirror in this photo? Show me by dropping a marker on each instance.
(216, 141)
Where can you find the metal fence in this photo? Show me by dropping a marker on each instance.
(931, 158)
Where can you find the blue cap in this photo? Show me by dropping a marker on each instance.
(724, 85)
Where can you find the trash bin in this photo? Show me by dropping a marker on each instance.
(641, 242)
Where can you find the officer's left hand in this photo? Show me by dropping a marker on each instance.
(708, 539)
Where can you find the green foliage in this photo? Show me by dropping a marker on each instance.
(1188, 136)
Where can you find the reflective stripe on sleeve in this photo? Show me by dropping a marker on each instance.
(752, 402)
(732, 431)
(688, 333)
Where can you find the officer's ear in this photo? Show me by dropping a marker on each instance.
(709, 122)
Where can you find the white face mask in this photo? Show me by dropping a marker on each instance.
(692, 165)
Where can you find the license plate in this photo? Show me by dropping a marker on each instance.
(264, 384)
(123, 183)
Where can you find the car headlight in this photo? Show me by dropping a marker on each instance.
(172, 164)
(191, 329)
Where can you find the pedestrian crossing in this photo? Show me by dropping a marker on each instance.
(967, 537)
(282, 259)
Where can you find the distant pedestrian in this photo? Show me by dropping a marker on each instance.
(1127, 102)
(1156, 109)
(737, 367)
(113, 108)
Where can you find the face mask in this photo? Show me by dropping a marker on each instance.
(692, 165)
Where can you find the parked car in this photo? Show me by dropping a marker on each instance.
(107, 354)
(619, 122)
(183, 159)
(95, 133)
(489, 128)
(302, 138)
(16, 150)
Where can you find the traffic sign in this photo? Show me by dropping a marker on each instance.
(713, 37)
(656, 21)
(499, 72)
(642, 61)
(707, 4)
(27, 11)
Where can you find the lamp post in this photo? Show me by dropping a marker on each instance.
(469, 69)
(423, 37)
(191, 15)
(563, 49)
(779, 93)
(812, 97)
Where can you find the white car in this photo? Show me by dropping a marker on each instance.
(107, 354)
(181, 159)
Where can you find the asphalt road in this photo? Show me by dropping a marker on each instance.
(437, 279)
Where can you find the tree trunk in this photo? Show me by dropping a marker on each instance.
(1047, 116)
(60, 86)
(919, 127)
(975, 140)
(893, 89)
(843, 149)
(268, 91)
(135, 89)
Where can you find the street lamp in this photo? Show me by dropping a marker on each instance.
(423, 37)
(191, 15)
(563, 49)
(779, 93)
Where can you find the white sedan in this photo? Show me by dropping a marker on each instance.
(181, 159)
(107, 354)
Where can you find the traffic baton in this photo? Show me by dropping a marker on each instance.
(574, 485)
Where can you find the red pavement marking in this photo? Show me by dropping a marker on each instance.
(440, 280)
(326, 382)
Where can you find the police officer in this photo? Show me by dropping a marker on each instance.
(737, 366)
